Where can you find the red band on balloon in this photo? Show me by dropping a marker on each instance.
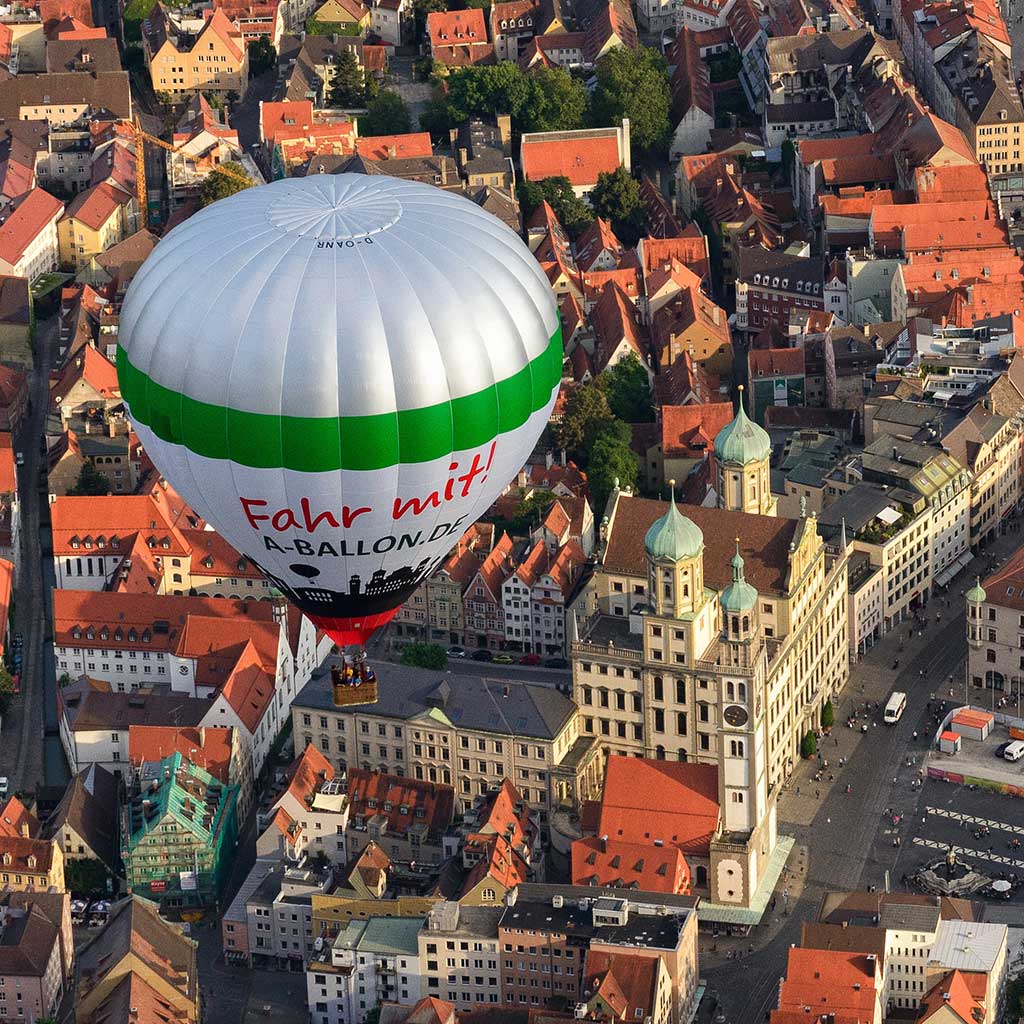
(358, 630)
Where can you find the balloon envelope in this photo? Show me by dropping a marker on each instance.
(341, 373)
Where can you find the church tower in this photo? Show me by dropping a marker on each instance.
(742, 455)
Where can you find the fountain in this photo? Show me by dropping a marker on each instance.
(951, 877)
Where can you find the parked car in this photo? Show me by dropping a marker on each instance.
(482, 655)
(1001, 749)
(556, 663)
(4, 785)
(16, 682)
(530, 659)
(456, 652)
(19, 458)
(503, 659)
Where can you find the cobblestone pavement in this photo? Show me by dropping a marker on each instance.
(845, 840)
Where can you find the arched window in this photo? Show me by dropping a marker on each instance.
(741, 689)
(746, 623)
(730, 690)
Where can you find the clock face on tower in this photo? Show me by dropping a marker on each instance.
(735, 715)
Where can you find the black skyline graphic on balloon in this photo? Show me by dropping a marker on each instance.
(383, 591)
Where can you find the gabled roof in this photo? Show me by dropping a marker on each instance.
(957, 995)
(597, 238)
(615, 320)
(613, 25)
(33, 212)
(135, 928)
(626, 983)
(17, 820)
(627, 865)
(20, 849)
(691, 79)
(95, 206)
(208, 746)
(88, 807)
(404, 803)
(92, 367)
(458, 38)
(689, 431)
(384, 147)
(645, 801)
(306, 774)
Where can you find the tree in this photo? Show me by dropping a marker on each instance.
(90, 481)
(634, 84)
(571, 211)
(347, 87)
(629, 391)
(586, 413)
(420, 9)
(224, 181)
(262, 57)
(616, 198)
(387, 114)
(828, 715)
(425, 655)
(86, 877)
(6, 690)
(611, 460)
(808, 745)
(547, 99)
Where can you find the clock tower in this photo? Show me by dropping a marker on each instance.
(742, 754)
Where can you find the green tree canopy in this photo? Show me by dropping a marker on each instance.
(546, 99)
(611, 459)
(616, 198)
(634, 84)
(348, 87)
(6, 689)
(808, 745)
(86, 877)
(387, 114)
(90, 481)
(262, 56)
(628, 389)
(571, 211)
(586, 414)
(425, 655)
(828, 715)
(224, 181)
(420, 10)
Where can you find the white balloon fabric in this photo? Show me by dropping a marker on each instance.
(341, 373)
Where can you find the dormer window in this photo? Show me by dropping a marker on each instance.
(74, 543)
(90, 634)
(145, 636)
(31, 861)
(76, 633)
(104, 633)
(388, 805)
(118, 635)
(132, 636)
(165, 543)
(372, 804)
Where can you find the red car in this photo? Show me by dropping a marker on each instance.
(530, 659)
(16, 680)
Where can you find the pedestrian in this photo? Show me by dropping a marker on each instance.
(894, 780)
(835, 739)
(797, 790)
(817, 793)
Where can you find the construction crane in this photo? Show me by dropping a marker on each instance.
(141, 137)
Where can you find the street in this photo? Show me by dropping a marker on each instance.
(21, 753)
(847, 838)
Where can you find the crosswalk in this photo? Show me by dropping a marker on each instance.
(944, 812)
(968, 854)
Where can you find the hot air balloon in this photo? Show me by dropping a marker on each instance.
(340, 373)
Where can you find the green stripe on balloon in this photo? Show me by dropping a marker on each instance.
(328, 443)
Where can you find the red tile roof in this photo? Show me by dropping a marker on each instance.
(379, 147)
(97, 205)
(23, 225)
(290, 117)
(691, 80)
(207, 746)
(962, 183)
(53, 12)
(92, 367)
(629, 865)
(597, 238)
(17, 820)
(306, 774)
(626, 983)
(613, 24)
(72, 28)
(689, 431)
(501, 864)
(832, 982)
(614, 320)
(249, 688)
(578, 156)
(645, 800)
(8, 471)
(776, 362)
(412, 801)
(690, 249)
(960, 993)
(111, 518)
(20, 849)
(497, 566)
(459, 38)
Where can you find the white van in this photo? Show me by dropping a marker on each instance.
(1015, 751)
(895, 708)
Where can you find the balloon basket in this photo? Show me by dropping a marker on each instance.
(346, 694)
